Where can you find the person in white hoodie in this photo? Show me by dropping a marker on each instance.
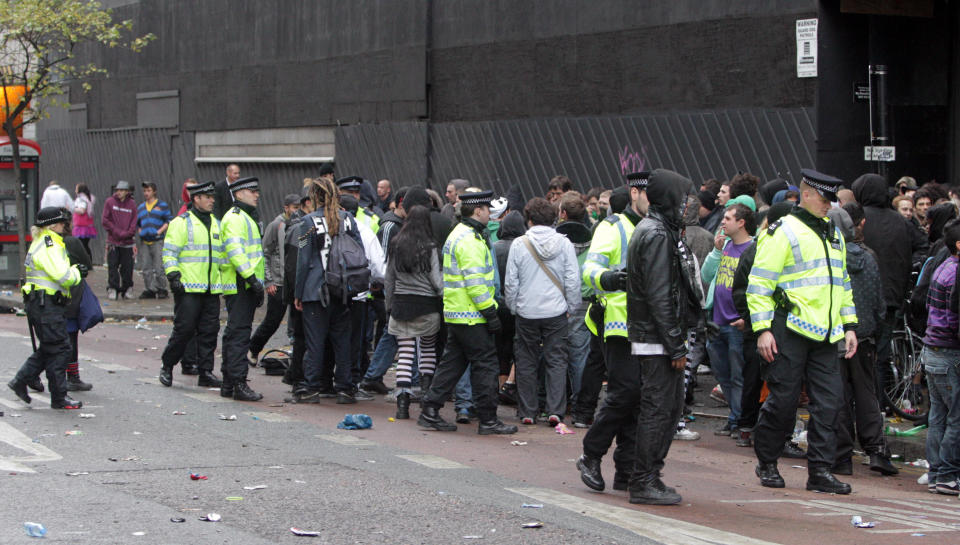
(542, 285)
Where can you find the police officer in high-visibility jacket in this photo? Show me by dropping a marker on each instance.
(350, 185)
(192, 257)
(605, 271)
(470, 312)
(801, 306)
(243, 274)
(46, 291)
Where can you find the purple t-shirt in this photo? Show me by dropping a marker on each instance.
(724, 312)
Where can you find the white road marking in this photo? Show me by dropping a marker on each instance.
(15, 438)
(434, 462)
(665, 530)
(348, 440)
(267, 416)
(206, 398)
(110, 366)
(13, 335)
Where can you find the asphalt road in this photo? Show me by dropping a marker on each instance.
(392, 484)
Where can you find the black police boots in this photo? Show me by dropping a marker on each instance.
(20, 388)
(590, 472)
(621, 480)
(430, 418)
(242, 392)
(189, 369)
(66, 403)
(881, 463)
(821, 480)
(425, 381)
(495, 427)
(654, 493)
(208, 379)
(166, 376)
(74, 384)
(770, 475)
(36, 385)
(226, 389)
(403, 406)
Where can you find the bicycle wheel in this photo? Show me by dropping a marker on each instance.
(901, 383)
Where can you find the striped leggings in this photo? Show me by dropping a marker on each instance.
(423, 350)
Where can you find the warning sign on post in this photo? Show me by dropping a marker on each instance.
(806, 48)
(880, 153)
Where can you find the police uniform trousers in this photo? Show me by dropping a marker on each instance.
(236, 335)
(196, 322)
(591, 382)
(617, 417)
(53, 344)
(661, 404)
(752, 384)
(475, 346)
(860, 405)
(800, 360)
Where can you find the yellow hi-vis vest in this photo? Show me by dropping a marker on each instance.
(811, 271)
(468, 284)
(243, 249)
(195, 252)
(369, 219)
(48, 267)
(608, 252)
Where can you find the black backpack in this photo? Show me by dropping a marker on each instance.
(348, 272)
(275, 362)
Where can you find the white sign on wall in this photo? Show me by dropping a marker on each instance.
(806, 48)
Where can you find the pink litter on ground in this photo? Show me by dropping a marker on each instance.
(562, 429)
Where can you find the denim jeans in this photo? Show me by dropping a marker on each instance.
(382, 358)
(942, 366)
(578, 339)
(726, 361)
(463, 395)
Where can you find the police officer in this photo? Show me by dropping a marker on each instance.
(604, 270)
(470, 312)
(192, 256)
(350, 185)
(46, 291)
(801, 306)
(243, 275)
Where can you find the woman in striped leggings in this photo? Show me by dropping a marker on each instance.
(413, 290)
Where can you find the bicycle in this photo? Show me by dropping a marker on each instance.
(901, 385)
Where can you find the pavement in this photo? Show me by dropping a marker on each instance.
(126, 474)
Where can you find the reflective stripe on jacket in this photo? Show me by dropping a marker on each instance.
(369, 219)
(195, 252)
(468, 285)
(243, 249)
(607, 252)
(48, 267)
(812, 272)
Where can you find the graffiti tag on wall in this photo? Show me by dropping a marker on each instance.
(631, 161)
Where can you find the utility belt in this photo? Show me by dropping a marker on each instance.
(42, 298)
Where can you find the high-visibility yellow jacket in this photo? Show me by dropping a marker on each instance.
(369, 219)
(243, 249)
(812, 273)
(48, 267)
(468, 285)
(608, 252)
(195, 252)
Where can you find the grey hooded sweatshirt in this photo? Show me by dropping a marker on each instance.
(528, 290)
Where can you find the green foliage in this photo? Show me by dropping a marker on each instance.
(38, 43)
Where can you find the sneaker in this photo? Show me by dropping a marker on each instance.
(744, 439)
(508, 394)
(727, 429)
(307, 397)
(66, 403)
(951, 488)
(924, 479)
(128, 294)
(360, 395)
(148, 294)
(374, 387)
(581, 422)
(683, 434)
(345, 398)
(528, 421)
(717, 395)
(463, 417)
(327, 393)
(553, 420)
(111, 294)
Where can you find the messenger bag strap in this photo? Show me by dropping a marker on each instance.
(543, 267)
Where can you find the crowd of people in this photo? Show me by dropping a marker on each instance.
(788, 293)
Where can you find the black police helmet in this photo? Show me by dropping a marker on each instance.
(50, 215)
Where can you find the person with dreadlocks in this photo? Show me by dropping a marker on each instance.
(326, 317)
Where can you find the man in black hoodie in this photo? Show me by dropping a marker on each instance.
(660, 310)
(889, 235)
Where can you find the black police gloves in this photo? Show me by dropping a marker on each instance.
(175, 285)
(84, 270)
(614, 281)
(257, 286)
(493, 320)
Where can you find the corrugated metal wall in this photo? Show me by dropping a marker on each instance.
(595, 151)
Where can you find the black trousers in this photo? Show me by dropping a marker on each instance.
(294, 372)
(542, 340)
(120, 268)
(591, 382)
(466, 345)
(504, 339)
(196, 322)
(53, 346)
(800, 360)
(327, 333)
(271, 322)
(860, 405)
(617, 417)
(236, 336)
(752, 384)
(359, 327)
(661, 404)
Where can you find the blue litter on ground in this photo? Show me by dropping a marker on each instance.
(355, 422)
